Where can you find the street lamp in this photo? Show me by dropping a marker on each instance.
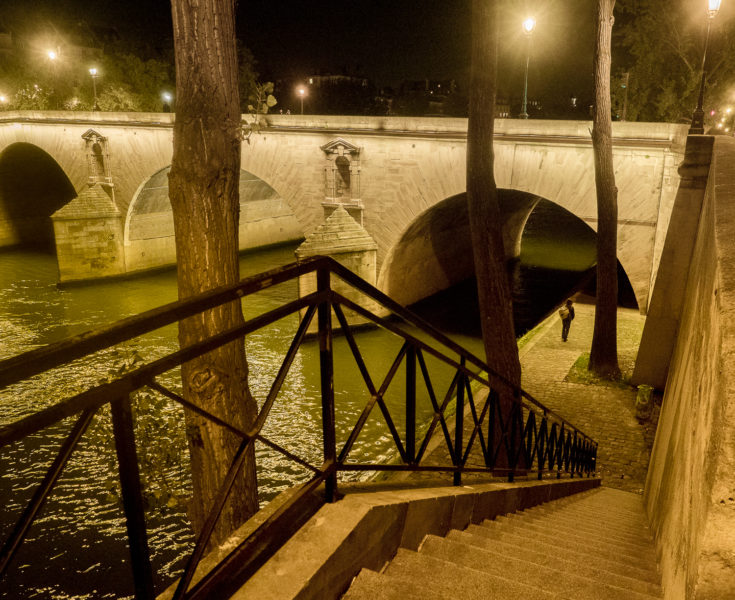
(93, 73)
(697, 127)
(528, 26)
(52, 55)
(302, 92)
(167, 97)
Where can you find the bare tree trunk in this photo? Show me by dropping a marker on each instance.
(203, 188)
(493, 289)
(604, 352)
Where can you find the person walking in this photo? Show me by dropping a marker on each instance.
(566, 313)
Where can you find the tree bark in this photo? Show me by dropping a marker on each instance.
(493, 288)
(204, 194)
(604, 352)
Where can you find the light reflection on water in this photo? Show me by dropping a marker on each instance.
(78, 542)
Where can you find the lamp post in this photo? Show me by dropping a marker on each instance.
(167, 97)
(528, 26)
(93, 73)
(697, 127)
(301, 91)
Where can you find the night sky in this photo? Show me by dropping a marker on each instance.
(385, 40)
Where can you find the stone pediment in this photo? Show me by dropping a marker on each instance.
(93, 136)
(340, 146)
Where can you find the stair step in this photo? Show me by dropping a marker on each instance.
(594, 520)
(569, 585)
(590, 543)
(615, 501)
(552, 523)
(563, 543)
(605, 571)
(369, 585)
(454, 581)
(556, 549)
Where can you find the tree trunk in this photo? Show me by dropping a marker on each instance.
(493, 289)
(604, 352)
(203, 188)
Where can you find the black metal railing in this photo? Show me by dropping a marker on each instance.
(513, 433)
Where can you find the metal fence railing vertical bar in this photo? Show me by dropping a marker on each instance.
(326, 368)
(411, 405)
(459, 427)
(132, 496)
(511, 434)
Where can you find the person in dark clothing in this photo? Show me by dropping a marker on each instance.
(566, 313)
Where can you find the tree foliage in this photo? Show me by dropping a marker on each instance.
(661, 43)
(129, 79)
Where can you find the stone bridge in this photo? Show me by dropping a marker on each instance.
(101, 180)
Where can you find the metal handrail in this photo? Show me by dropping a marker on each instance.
(505, 426)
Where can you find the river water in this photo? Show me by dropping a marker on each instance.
(77, 549)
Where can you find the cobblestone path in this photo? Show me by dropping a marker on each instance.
(607, 414)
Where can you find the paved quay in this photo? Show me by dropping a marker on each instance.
(605, 413)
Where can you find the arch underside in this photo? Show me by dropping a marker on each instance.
(32, 187)
(434, 253)
(265, 219)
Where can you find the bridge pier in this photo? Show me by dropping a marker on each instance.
(345, 240)
(88, 232)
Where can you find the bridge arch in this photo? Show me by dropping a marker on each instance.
(265, 219)
(434, 252)
(32, 187)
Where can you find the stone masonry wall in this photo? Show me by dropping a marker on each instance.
(690, 490)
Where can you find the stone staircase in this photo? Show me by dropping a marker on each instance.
(594, 545)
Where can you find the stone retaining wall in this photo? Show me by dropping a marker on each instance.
(690, 490)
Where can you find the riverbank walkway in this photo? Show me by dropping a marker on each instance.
(605, 412)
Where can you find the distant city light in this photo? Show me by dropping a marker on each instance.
(3, 98)
(301, 91)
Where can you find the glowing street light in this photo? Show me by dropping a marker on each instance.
(93, 73)
(52, 55)
(697, 127)
(167, 97)
(301, 92)
(528, 26)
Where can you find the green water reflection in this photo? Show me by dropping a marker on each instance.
(80, 518)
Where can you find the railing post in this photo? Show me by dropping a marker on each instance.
(326, 368)
(459, 425)
(513, 453)
(132, 496)
(411, 405)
